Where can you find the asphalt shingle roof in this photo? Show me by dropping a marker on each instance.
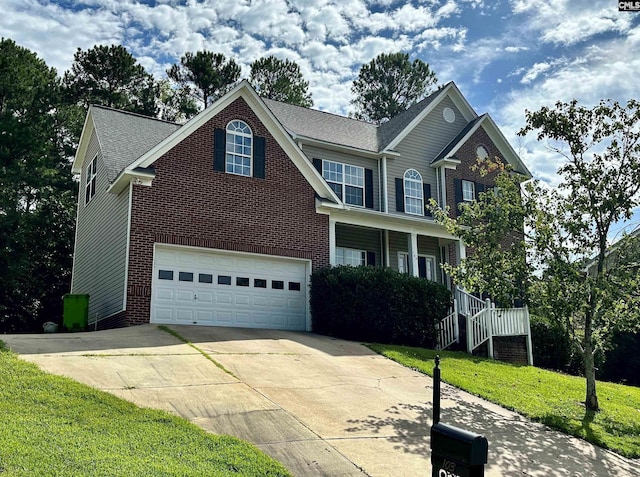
(124, 136)
(324, 126)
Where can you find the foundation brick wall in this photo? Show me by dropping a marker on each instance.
(191, 204)
(512, 349)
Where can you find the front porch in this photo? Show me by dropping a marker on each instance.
(475, 326)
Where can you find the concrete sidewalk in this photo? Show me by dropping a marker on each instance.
(318, 405)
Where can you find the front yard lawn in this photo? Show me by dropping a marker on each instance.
(554, 399)
(51, 425)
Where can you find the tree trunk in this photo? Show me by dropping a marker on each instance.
(591, 399)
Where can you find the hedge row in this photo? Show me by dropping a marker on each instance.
(377, 305)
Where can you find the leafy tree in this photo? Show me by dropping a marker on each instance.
(37, 193)
(577, 283)
(492, 227)
(583, 287)
(205, 75)
(175, 104)
(110, 76)
(388, 85)
(280, 80)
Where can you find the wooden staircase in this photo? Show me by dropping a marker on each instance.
(473, 322)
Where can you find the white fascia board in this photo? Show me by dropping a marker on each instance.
(83, 144)
(454, 93)
(459, 144)
(505, 147)
(243, 90)
(128, 177)
(447, 163)
(382, 221)
(462, 104)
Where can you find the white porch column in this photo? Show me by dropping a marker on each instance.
(332, 241)
(461, 251)
(385, 238)
(413, 254)
(383, 182)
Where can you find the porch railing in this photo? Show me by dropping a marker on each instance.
(448, 332)
(468, 305)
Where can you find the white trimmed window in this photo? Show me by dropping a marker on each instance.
(346, 181)
(468, 191)
(90, 186)
(413, 193)
(350, 256)
(239, 149)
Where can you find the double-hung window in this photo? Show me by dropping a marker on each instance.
(347, 181)
(350, 256)
(239, 148)
(413, 193)
(468, 191)
(90, 185)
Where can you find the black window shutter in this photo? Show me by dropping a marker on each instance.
(426, 191)
(317, 163)
(371, 259)
(258, 157)
(219, 139)
(399, 194)
(422, 267)
(368, 188)
(479, 188)
(457, 185)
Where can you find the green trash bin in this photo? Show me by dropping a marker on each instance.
(75, 312)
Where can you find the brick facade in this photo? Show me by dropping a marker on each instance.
(467, 156)
(191, 204)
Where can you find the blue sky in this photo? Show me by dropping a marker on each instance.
(506, 56)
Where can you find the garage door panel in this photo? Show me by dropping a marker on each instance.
(226, 289)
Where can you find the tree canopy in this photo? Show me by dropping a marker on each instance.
(37, 196)
(390, 84)
(280, 80)
(111, 76)
(205, 75)
(570, 276)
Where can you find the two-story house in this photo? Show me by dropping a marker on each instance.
(221, 221)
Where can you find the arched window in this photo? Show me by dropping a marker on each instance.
(482, 153)
(413, 193)
(239, 150)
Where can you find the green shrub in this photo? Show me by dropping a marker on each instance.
(622, 360)
(551, 345)
(377, 305)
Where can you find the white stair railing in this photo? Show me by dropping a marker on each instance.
(448, 332)
(479, 328)
(468, 305)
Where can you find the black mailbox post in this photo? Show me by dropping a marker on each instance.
(455, 452)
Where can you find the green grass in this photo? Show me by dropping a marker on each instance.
(552, 398)
(54, 426)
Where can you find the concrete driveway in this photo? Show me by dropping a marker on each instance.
(320, 406)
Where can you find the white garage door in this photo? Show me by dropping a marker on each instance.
(228, 289)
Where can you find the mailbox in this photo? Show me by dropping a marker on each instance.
(457, 452)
